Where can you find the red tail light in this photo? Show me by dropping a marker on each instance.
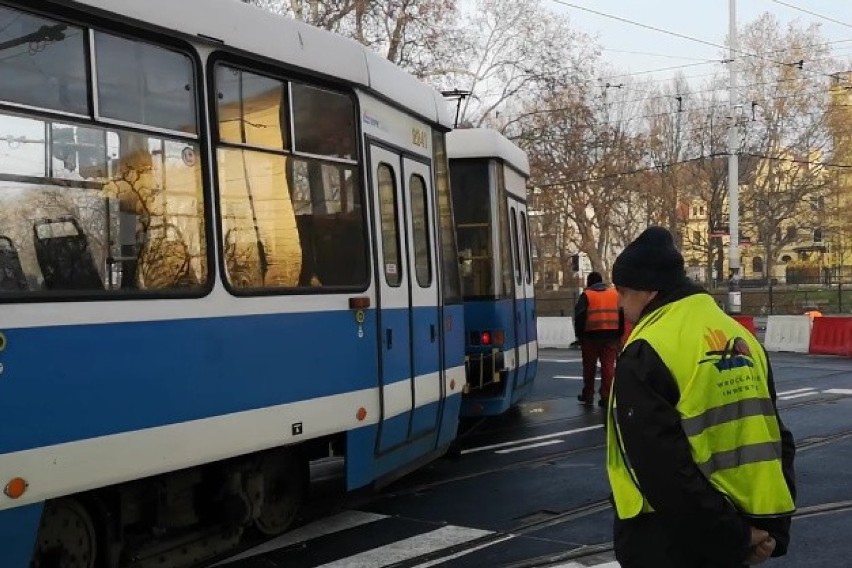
(485, 338)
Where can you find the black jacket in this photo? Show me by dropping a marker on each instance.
(694, 525)
(581, 310)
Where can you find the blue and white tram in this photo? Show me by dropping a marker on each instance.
(488, 176)
(228, 249)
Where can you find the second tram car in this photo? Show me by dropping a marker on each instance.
(489, 178)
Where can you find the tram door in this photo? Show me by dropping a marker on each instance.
(519, 272)
(408, 294)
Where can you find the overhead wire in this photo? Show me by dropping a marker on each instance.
(651, 54)
(626, 172)
(662, 166)
(669, 32)
(800, 9)
(714, 107)
(722, 105)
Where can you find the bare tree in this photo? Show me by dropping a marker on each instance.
(580, 154)
(418, 35)
(786, 134)
(669, 146)
(516, 49)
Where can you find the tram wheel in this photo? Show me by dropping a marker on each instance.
(285, 483)
(66, 537)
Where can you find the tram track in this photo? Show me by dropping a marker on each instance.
(473, 432)
(805, 444)
(539, 520)
(533, 461)
(549, 519)
(817, 441)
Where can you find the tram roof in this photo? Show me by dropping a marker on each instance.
(294, 43)
(486, 143)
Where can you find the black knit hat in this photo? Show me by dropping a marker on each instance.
(651, 262)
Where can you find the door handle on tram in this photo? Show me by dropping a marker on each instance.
(389, 337)
(432, 332)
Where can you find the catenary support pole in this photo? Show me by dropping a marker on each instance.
(734, 294)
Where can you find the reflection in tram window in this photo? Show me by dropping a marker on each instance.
(12, 276)
(97, 207)
(252, 109)
(389, 207)
(446, 227)
(419, 203)
(469, 180)
(44, 62)
(485, 252)
(323, 122)
(144, 84)
(262, 247)
(107, 210)
(289, 220)
(505, 254)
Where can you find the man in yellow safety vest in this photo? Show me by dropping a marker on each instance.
(700, 464)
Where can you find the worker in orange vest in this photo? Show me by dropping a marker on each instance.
(598, 325)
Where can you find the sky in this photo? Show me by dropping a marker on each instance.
(703, 19)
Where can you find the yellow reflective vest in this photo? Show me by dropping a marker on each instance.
(725, 406)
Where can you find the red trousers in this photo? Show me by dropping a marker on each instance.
(606, 352)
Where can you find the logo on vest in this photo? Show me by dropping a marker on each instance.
(724, 353)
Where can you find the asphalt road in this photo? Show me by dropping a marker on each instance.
(529, 489)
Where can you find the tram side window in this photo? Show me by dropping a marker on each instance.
(472, 208)
(390, 225)
(513, 221)
(97, 208)
(42, 63)
(144, 84)
(505, 252)
(289, 221)
(323, 122)
(525, 236)
(252, 108)
(109, 209)
(420, 221)
(446, 229)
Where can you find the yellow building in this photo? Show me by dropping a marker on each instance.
(794, 226)
(839, 230)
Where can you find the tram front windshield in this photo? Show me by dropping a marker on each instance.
(473, 204)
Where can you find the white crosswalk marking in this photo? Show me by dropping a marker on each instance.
(533, 439)
(529, 446)
(337, 523)
(408, 548)
(435, 543)
(800, 395)
(577, 565)
(845, 392)
(795, 391)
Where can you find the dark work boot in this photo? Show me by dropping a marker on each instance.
(586, 400)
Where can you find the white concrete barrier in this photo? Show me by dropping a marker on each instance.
(555, 332)
(788, 333)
